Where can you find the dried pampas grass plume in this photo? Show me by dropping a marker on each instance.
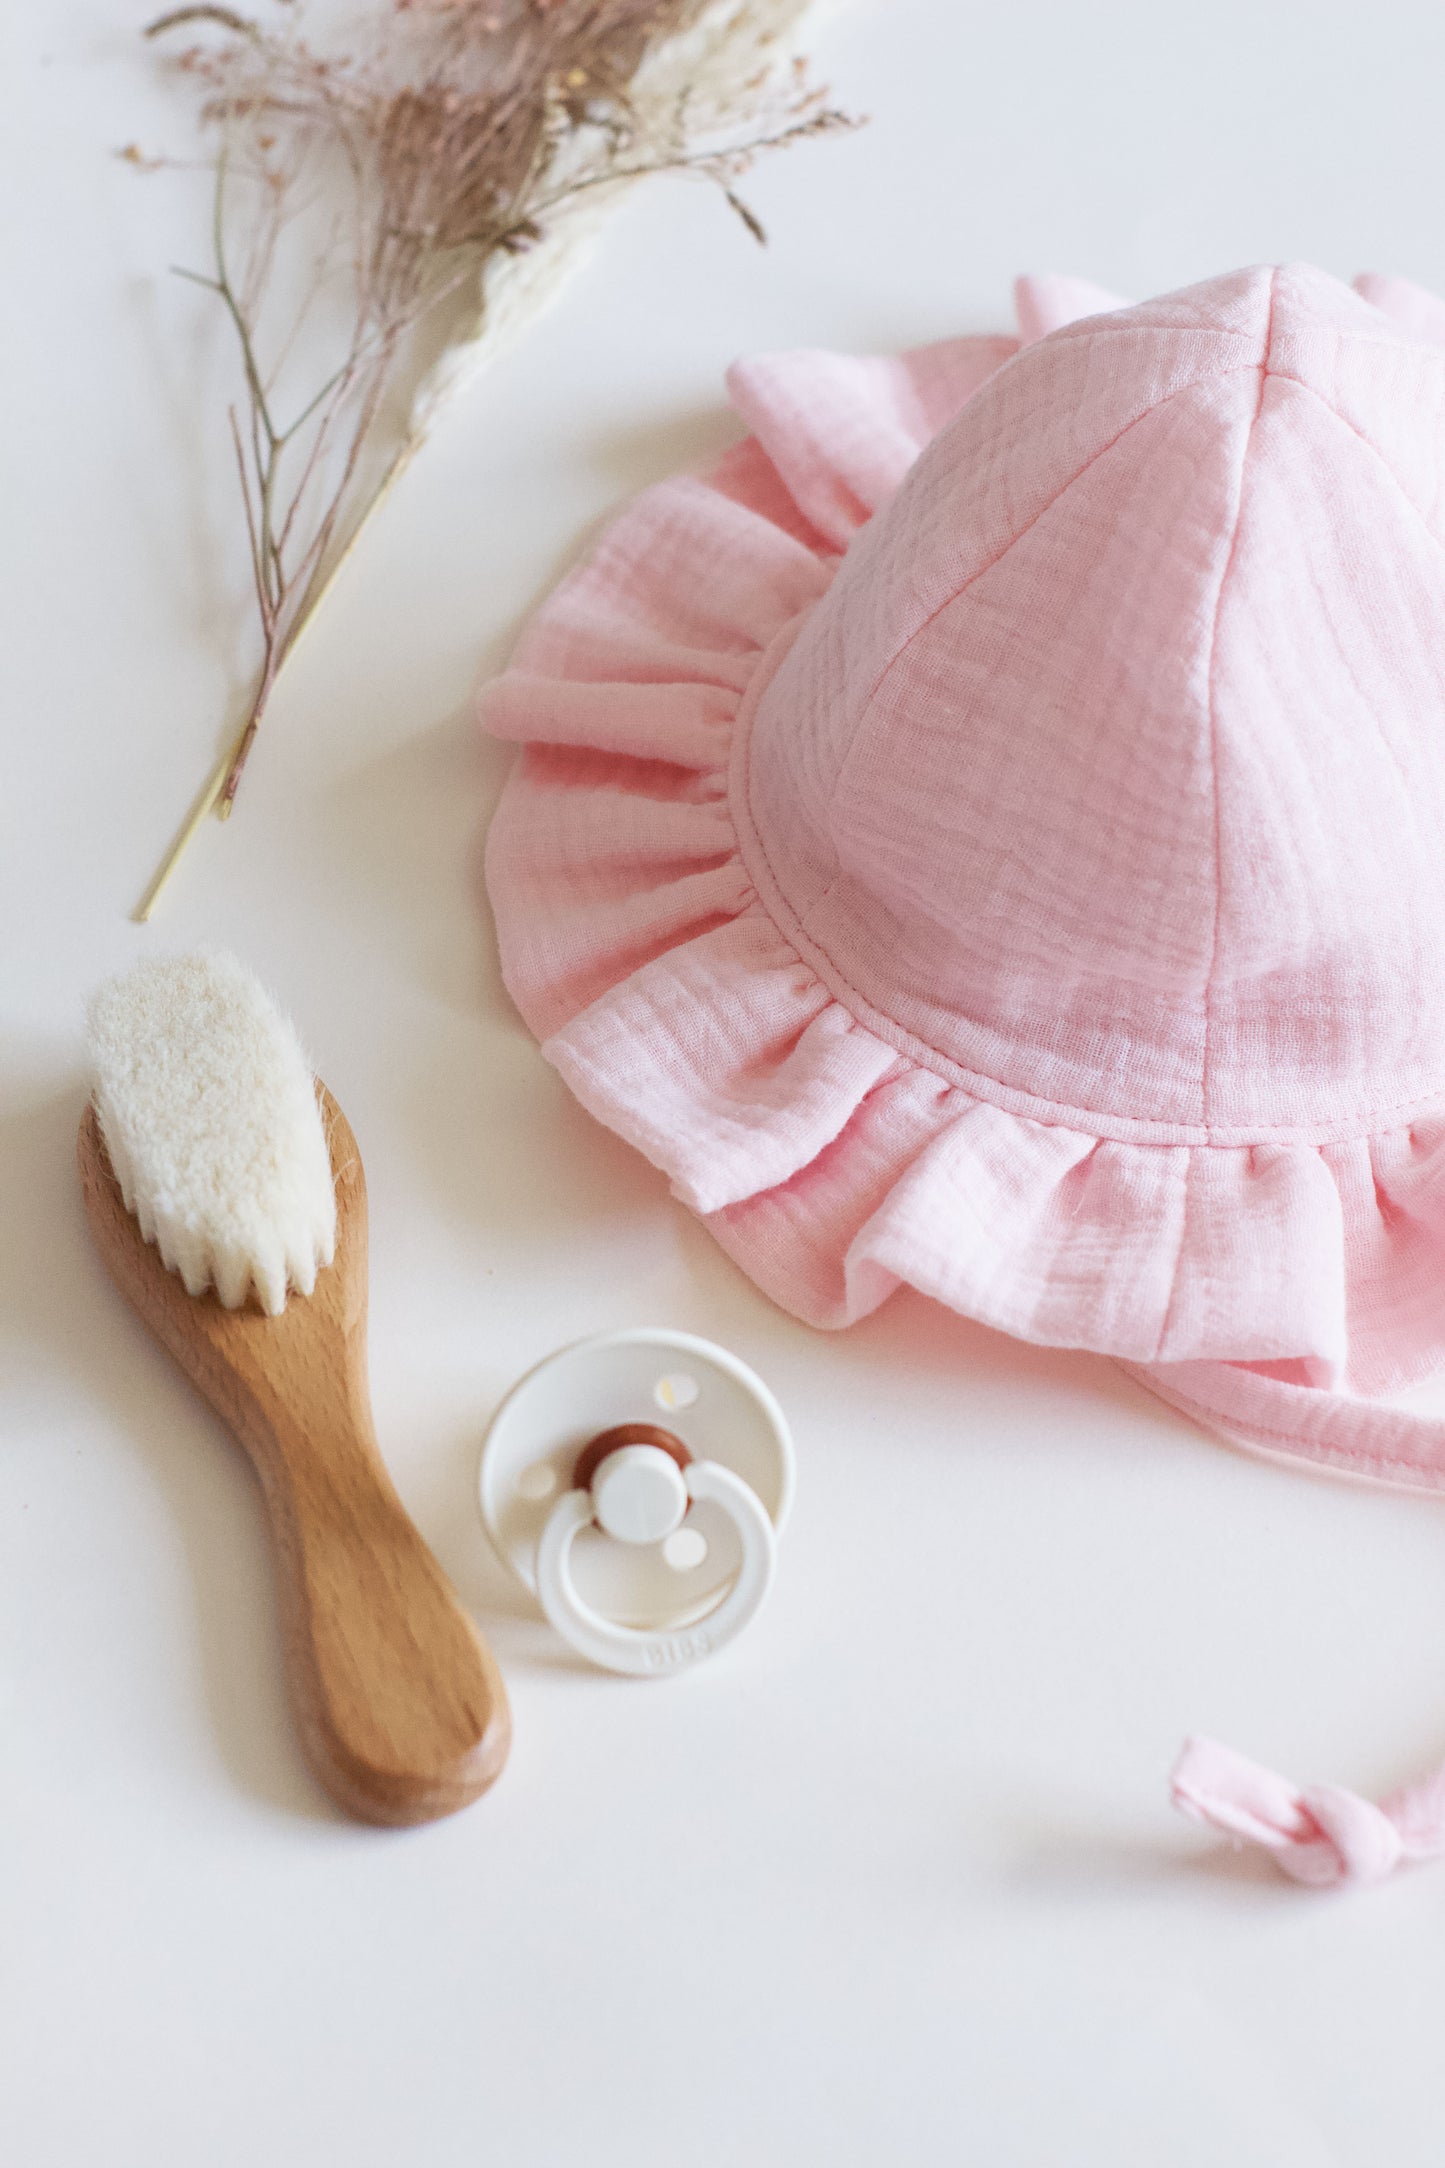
(404, 202)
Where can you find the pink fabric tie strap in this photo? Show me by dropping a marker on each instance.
(1320, 1834)
(1278, 1419)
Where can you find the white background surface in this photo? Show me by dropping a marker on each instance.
(894, 1880)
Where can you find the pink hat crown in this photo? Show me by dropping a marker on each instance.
(1111, 770)
(988, 833)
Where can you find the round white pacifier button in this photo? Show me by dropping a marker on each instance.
(639, 1494)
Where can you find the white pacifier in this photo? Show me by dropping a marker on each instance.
(638, 1483)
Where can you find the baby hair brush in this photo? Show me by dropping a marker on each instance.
(218, 1175)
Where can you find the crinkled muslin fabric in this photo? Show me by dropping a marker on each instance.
(988, 834)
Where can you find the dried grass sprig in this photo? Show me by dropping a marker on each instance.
(398, 203)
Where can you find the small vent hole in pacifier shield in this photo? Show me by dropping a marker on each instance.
(685, 1549)
(676, 1390)
(538, 1481)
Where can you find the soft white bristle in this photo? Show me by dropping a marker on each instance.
(208, 1109)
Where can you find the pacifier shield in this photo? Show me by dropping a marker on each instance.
(672, 1556)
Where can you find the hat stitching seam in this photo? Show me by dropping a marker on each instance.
(973, 1083)
(1176, 1278)
(908, 1044)
(1412, 508)
(1371, 447)
(1212, 701)
(1156, 406)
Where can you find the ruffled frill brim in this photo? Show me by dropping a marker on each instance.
(832, 1166)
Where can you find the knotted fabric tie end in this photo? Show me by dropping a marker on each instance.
(1320, 1834)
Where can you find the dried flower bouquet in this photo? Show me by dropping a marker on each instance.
(403, 198)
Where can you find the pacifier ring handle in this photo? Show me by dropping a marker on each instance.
(630, 1649)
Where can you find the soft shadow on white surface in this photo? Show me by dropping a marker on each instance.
(193, 551)
(673, 443)
(392, 843)
(1080, 1866)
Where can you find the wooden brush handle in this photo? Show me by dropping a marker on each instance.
(398, 1703)
(400, 1706)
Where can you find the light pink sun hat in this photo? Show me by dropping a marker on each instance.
(988, 834)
